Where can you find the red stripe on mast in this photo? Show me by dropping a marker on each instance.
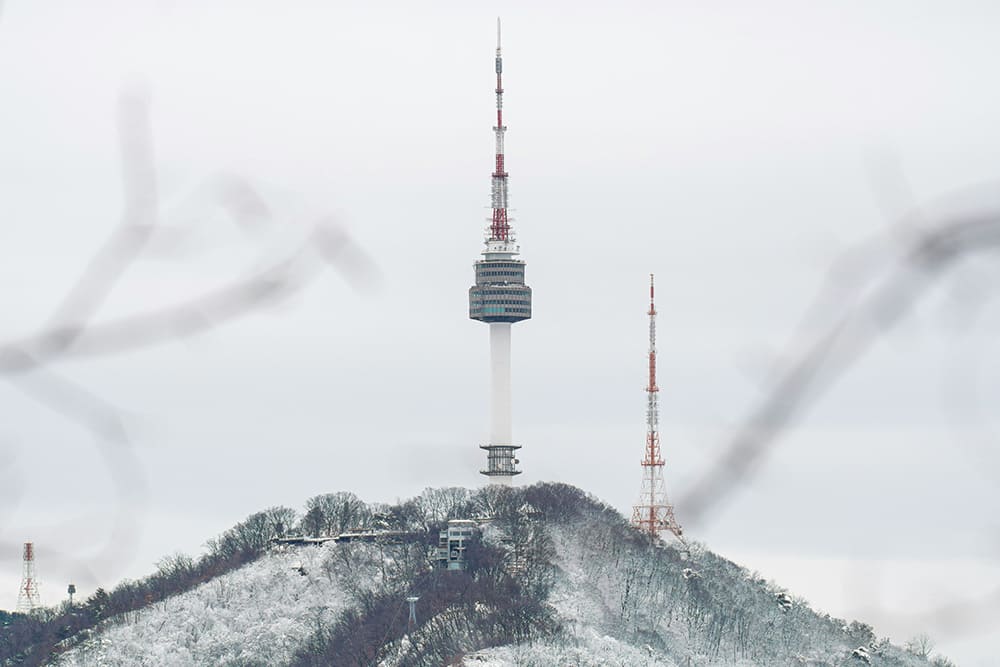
(500, 228)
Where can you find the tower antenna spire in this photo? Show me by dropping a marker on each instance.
(500, 226)
(500, 298)
(653, 514)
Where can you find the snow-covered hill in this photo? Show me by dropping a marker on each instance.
(258, 614)
(557, 578)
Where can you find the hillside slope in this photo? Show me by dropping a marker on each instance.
(556, 577)
(257, 614)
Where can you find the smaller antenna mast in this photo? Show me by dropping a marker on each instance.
(653, 513)
(28, 598)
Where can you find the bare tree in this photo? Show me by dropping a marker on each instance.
(920, 646)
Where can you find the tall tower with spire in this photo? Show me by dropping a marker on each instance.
(653, 513)
(500, 298)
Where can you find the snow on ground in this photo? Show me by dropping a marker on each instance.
(587, 648)
(257, 614)
(581, 609)
(261, 613)
(583, 602)
(576, 596)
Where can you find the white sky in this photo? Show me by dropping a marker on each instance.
(731, 150)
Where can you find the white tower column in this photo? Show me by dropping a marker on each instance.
(500, 429)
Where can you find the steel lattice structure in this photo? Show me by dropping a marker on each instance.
(27, 597)
(653, 513)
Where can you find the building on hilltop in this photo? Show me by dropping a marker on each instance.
(453, 542)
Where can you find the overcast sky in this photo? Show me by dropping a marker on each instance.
(737, 150)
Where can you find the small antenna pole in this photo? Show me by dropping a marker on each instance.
(412, 621)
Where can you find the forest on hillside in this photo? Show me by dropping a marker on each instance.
(550, 567)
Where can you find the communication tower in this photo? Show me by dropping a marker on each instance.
(653, 513)
(500, 298)
(27, 597)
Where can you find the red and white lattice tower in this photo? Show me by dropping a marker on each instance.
(27, 597)
(653, 514)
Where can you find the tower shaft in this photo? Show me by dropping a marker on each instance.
(500, 429)
(500, 298)
(28, 598)
(653, 513)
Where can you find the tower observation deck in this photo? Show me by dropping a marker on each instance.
(500, 298)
